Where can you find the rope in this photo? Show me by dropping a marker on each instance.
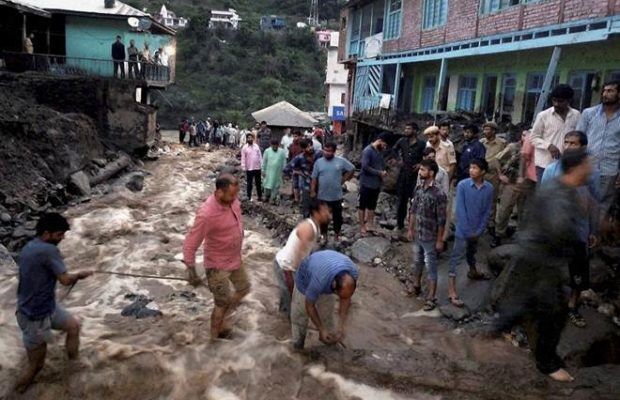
(174, 278)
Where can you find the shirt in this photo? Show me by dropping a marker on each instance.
(251, 157)
(329, 174)
(549, 129)
(473, 208)
(264, 138)
(527, 152)
(39, 265)
(304, 168)
(318, 271)
(429, 207)
(603, 138)
(372, 165)
(409, 153)
(471, 150)
(221, 228)
(508, 161)
(442, 181)
(445, 156)
(492, 149)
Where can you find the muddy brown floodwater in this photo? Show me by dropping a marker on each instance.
(392, 351)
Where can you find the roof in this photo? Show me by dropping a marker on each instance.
(92, 7)
(20, 6)
(284, 114)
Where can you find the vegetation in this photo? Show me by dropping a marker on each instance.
(229, 74)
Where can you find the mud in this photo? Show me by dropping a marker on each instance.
(392, 351)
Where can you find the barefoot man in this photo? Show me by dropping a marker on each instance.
(40, 266)
(218, 223)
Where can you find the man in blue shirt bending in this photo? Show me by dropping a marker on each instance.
(40, 266)
(319, 276)
(474, 202)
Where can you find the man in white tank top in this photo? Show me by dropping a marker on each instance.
(301, 242)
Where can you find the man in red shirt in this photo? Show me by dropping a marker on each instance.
(218, 223)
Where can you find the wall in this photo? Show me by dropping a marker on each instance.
(93, 38)
(600, 57)
(465, 22)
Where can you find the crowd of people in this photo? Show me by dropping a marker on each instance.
(561, 177)
(142, 63)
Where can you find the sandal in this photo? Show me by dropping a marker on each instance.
(477, 275)
(430, 305)
(456, 302)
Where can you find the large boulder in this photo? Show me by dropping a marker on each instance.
(367, 249)
(7, 264)
(79, 183)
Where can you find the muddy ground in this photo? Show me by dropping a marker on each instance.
(393, 351)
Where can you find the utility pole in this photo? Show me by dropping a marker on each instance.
(313, 19)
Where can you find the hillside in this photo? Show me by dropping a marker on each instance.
(227, 74)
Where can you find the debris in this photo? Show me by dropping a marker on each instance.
(366, 249)
(139, 307)
(79, 184)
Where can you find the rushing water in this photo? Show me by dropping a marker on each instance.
(169, 357)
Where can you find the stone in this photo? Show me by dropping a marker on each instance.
(606, 309)
(22, 232)
(366, 249)
(5, 218)
(100, 162)
(139, 308)
(351, 187)
(135, 183)
(454, 313)
(79, 183)
(7, 263)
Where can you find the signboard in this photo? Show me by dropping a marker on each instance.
(338, 113)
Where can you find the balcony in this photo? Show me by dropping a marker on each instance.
(148, 73)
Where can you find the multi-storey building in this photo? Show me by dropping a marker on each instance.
(488, 56)
(335, 78)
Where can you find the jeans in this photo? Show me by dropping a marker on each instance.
(336, 209)
(285, 295)
(305, 203)
(405, 185)
(463, 247)
(425, 254)
(119, 65)
(254, 177)
(608, 194)
(299, 316)
(539, 173)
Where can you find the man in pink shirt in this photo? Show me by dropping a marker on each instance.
(527, 176)
(251, 160)
(218, 223)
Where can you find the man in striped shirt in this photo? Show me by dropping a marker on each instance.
(319, 276)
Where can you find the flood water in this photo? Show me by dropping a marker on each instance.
(169, 357)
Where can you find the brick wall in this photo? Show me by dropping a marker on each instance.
(465, 21)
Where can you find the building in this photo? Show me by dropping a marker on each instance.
(335, 79)
(77, 36)
(224, 19)
(488, 56)
(170, 19)
(284, 115)
(272, 23)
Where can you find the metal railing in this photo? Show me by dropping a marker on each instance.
(82, 66)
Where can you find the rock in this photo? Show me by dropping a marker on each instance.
(79, 183)
(7, 263)
(5, 218)
(22, 232)
(498, 258)
(606, 309)
(139, 308)
(590, 296)
(454, 313)
(135, 183)
(351, 187)
(602, 276)
(376, 261)
(366, 249)
(100, 162)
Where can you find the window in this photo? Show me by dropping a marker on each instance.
(466, 96)
(428, 93)
(378, 9)
(533, 89)
(343, 97)
(581, 82)
(614, 76)
(389, 78)
(355, 33)
(509, 89)
(435, 13)
(392, 26)
(489, 6)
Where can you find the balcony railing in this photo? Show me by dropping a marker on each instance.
(81, 66)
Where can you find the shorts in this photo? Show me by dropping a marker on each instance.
(368, 198)
(38, 332)
(219, 284)
(579, 268)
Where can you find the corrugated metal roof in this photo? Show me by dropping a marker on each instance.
(19, 5)
(284, 114)
(85, 6)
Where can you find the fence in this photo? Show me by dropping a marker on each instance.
(81, 66)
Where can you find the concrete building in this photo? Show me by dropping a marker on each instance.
(335, 78)
(170, 19)
(489, 56)
(224, 19)
(272, 23)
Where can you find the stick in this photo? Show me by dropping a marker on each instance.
(173, 278)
